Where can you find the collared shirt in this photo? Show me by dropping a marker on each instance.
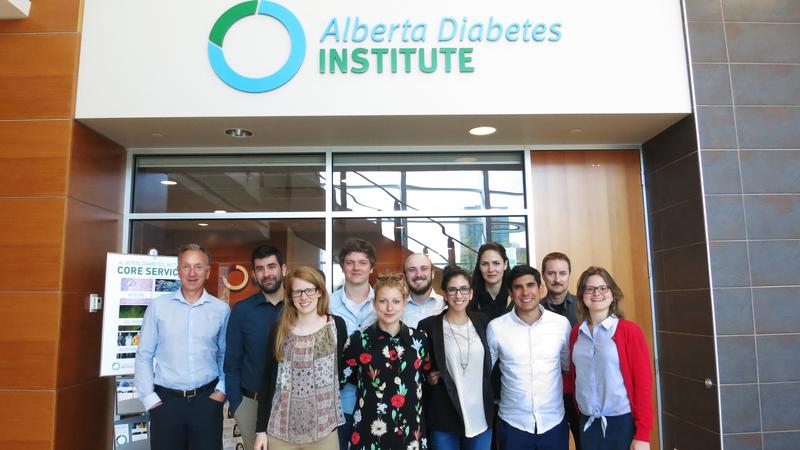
(599, 387)
(250, 323)
(569, 308)
(187, 342)
(357, 317)
(415, 312)
(531, 358)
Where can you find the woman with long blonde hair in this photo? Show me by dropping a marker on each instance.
(299, 404)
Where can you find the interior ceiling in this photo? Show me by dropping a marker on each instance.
(383, 130)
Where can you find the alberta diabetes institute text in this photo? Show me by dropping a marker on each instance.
(426, 60)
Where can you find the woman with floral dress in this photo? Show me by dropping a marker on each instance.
(387, 361)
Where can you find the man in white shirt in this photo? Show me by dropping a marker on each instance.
(353, 303)
(423, 301)
(531, 345)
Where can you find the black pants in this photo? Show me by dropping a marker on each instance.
(186, 423)
(618, 435)
(573, 419)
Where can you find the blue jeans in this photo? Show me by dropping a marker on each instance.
(451, 441)
(510, 438)
(619, 433)
(345, 431)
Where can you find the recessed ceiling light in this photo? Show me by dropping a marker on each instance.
(201, 224)
(241, 133)
(157, 135)
(575, 131)
(169, 182)
(219, 211)
(482, 131)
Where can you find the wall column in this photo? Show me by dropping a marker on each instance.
(60, 211)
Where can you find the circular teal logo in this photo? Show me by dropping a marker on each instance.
(269, 82)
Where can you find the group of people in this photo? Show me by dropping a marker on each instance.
(495, 363)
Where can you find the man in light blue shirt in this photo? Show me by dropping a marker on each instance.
(353, 303)
(423, 301)
(184, 333)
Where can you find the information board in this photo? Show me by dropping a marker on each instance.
(131, 282)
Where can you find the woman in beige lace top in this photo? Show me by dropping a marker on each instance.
(299, 406)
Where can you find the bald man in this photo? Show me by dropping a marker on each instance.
(422, 300)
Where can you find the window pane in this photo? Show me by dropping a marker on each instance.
(231, 242)
(446, 240)
(428, 182)
(235, 183)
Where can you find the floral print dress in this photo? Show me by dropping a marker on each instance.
(388, 372)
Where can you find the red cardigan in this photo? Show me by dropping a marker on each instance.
(634, 363)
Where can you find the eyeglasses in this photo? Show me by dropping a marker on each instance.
(463, 290)
(603, 289)
(297, 293)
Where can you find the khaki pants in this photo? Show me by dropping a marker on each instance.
(245, 416)
(329, 442)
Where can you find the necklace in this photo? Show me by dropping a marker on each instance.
(464, 364)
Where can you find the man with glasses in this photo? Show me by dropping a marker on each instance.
(353, 303)
(556, 270)
(250, 323)
(423, 301)
(184, 333)
(531, 345)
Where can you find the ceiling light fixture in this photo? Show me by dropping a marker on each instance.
(169, 182)
(219, 211)
(241, 133)
(482, 131)
(202, 224)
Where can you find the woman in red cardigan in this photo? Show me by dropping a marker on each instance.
(611, 369)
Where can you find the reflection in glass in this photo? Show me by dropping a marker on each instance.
(428, 181)
(231, 242)
(235, 183)
(446, 240)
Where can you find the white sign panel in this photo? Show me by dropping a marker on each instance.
(280, 58)
(131, 282)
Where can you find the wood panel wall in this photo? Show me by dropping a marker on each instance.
(589, 206)
(60, 211)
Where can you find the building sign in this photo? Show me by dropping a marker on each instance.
(364, 58)
(388, 47)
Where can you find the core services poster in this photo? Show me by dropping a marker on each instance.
(131, 282)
